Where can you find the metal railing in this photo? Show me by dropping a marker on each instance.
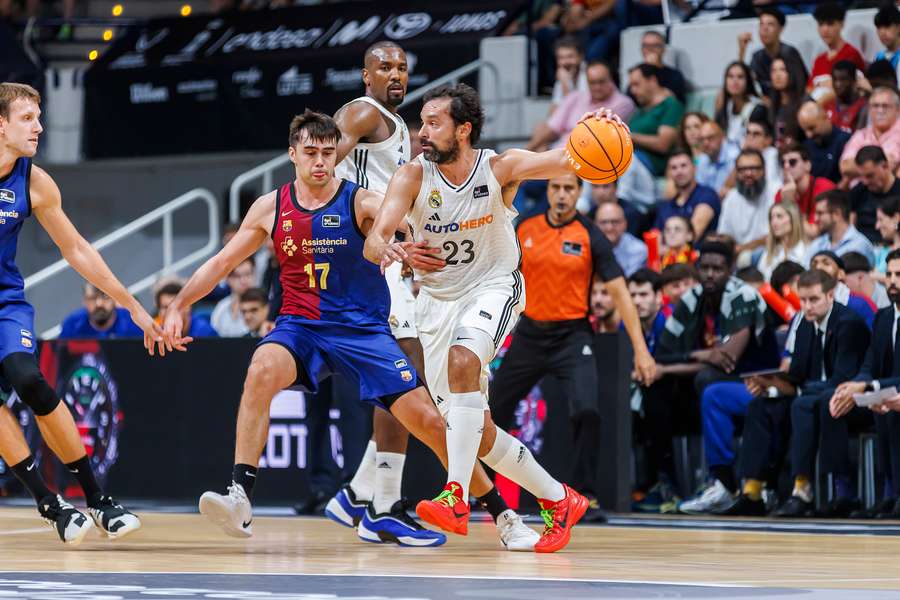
(163, 213)
(267, 169)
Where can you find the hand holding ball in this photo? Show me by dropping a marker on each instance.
(599, 149)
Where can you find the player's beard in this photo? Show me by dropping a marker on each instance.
(394, 101)
(442, 156)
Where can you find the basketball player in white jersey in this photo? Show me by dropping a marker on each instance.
(458, 200)
(375, 142)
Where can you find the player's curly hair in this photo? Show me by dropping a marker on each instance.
(465, 106)
(319, 127)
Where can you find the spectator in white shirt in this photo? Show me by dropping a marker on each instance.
(785, 239)
(745, 209)
(226, 316)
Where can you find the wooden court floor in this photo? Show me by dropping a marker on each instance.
(186, 543)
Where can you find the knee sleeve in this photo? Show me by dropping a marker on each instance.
(22, 372)
(477, 341)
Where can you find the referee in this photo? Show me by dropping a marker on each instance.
(562, 251)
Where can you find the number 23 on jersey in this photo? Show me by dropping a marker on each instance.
(465, 247)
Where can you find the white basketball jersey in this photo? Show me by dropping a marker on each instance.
(372, 165)
(470, 224)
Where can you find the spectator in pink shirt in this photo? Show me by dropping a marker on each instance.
(883, 130)
(602, 93)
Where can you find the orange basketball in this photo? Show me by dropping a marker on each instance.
(599, 150)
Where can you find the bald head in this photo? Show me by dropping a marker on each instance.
(386, 73)
(610, 218)
(378, 50)
(813, 121)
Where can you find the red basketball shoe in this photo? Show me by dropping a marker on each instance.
(448, 511)
(559, 518)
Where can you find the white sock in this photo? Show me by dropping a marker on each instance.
(509, 457)
(465, 424)
(388, 477)
(363, 482)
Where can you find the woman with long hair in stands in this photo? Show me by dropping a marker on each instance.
(736, 101)
(887, 222)
(783, 101)
(784, 240)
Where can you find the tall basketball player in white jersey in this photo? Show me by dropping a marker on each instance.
(375, 143)
(458, 200)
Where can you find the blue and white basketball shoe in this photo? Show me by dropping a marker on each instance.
(345, 509)
(398, 527)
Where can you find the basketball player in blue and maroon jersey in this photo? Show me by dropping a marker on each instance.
(26, 189)
(333, 317)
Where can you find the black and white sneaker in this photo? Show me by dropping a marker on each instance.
(114, 520)
(70, 524)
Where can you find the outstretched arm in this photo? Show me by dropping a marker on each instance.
(249, 238)
(46, 203)
(356, 121)
(514, 166)
(517, 165)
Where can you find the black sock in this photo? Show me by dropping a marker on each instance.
(494, 503)
(30, 475)
(82, 471)
(246, 476)
(725, 474)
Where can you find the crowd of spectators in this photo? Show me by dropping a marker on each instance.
(762, 238)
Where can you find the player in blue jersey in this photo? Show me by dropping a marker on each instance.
(27, 189)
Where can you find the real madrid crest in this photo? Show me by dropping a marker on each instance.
(434, 199)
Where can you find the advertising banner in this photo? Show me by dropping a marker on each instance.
(164, 428)
(233, 81)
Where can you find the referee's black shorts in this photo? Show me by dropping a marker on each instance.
(562, 349)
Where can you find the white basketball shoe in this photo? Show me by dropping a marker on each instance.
(514, 534)
(232, 513)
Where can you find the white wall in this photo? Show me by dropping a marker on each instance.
(702, 50)
(502, 86)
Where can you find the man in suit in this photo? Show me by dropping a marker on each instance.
(881, 369)
(829, 348)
